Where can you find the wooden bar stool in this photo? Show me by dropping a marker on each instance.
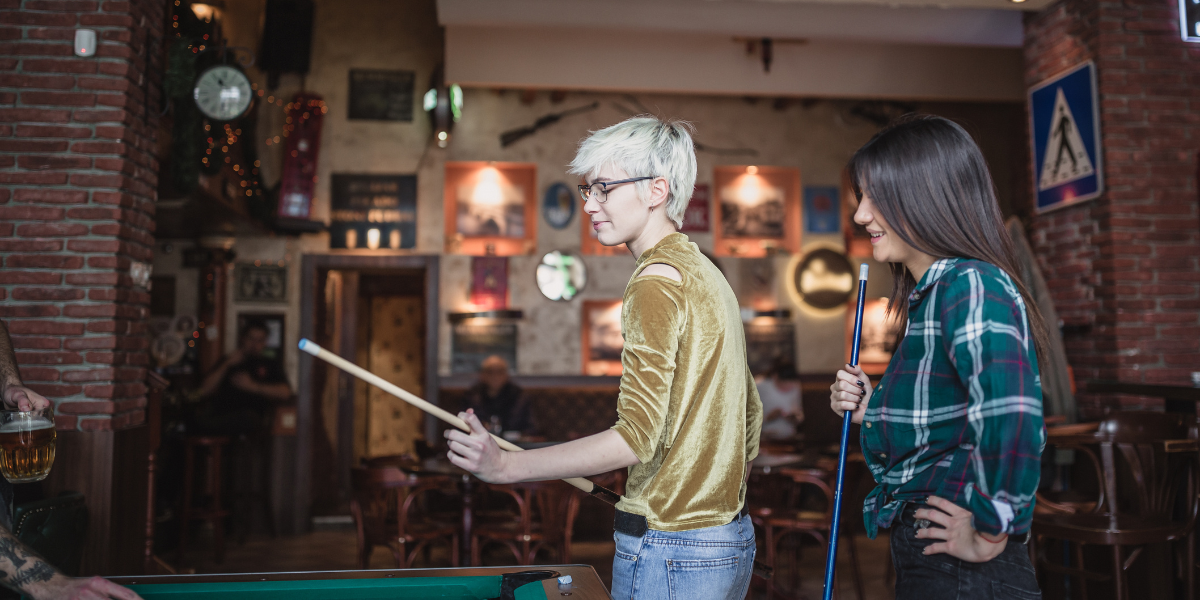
(214, 512)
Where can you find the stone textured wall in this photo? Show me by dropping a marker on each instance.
(77, 186)
(1124, 267)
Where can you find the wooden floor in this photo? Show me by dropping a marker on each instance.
(333, 549)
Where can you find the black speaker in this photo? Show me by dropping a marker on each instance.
(287, 38)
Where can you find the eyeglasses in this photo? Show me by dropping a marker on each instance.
(599, 190)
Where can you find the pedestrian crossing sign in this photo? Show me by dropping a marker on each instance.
(1065, 131)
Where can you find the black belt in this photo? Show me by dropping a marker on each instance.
(636, 525)
(908, 517)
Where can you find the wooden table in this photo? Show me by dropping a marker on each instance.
(441, 465)
(1179, 398)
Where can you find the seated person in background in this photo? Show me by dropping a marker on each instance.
(242, 389)
(779, 389)
(498, 402)
(21, 569)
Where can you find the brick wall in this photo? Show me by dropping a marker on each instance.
(1125, 268)
(77, 184)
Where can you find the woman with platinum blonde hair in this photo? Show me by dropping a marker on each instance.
(688, 412)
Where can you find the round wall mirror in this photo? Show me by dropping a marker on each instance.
(561, 275)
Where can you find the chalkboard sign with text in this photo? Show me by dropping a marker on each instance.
(377, 95)
(373, 212)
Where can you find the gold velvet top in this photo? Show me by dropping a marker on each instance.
(688, 407)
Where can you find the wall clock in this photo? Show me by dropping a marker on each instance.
(222, 93)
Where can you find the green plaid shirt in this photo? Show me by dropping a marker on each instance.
(958, 414)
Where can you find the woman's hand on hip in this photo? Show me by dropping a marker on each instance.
(959, 538)
(850, 391)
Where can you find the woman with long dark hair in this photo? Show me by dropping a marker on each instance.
(953, 431)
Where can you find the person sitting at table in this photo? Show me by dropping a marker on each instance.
(242, 389)
(497, 401)
(779, 390)
(21, 569)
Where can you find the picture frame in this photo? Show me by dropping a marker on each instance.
(373, 212)
(601, 335)
(381, 95)
(276, 345)
(858, 241)
(590, 245)
(259, 283)
(697, 218)
(491, 208)
(879, 335)
(757, 210)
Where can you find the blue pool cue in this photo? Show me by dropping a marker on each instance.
(831, 557)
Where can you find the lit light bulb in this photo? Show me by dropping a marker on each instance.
(373, 239)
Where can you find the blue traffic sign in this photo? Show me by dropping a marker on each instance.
(1065, 130)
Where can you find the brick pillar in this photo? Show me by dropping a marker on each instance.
(1124, 268)
(77, 185)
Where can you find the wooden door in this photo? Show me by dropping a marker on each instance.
(397, 354)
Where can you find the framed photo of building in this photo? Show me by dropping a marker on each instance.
(601, 334)
(491, 208)
(757, 210)
(879, 335)
(259, 283)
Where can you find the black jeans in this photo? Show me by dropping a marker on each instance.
(1009, 576)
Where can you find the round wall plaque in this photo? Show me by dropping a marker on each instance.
(558, 205)
(824, 279)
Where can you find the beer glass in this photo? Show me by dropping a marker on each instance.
(26, 444)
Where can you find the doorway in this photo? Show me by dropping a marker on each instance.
(380, 312)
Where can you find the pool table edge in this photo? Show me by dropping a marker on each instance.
(586, 584)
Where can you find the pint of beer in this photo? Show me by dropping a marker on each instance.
(26, 445)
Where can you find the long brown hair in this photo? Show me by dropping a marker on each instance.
(929, 181)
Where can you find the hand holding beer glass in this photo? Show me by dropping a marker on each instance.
(26, 444)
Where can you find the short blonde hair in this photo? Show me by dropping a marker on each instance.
(645, 146)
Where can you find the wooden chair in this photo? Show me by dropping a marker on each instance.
(776, 510)
(1161, 505)
(214, 509)
(546, 512)
(387, 512)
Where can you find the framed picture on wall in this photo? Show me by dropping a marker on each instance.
(757, 209)
(858, 242)
(601, 334)
(381, 95)
(274, 323)
(259, 283)
(879, 335)
(373, 212)
(491, 208)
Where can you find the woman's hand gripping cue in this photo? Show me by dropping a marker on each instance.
(850, 392)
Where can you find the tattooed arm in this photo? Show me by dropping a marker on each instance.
(12, 391)
(24, 571)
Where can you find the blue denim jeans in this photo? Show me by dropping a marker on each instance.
(713, 563)
(1009, 576)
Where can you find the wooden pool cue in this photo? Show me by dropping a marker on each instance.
(312, 348)
(831, 556)
(606, 495)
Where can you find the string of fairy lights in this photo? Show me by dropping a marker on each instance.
(221, 146)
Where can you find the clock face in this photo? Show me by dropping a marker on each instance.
(223, 93)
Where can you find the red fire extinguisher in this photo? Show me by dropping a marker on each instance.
(302, 128)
